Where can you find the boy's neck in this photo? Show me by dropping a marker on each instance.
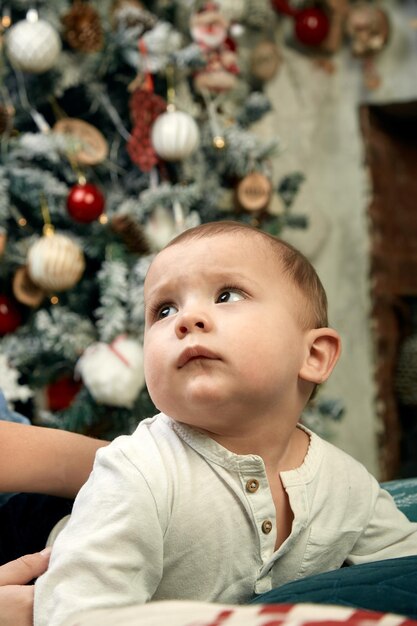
(281, 449)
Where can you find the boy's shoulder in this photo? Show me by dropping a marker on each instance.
(153, 445)
(326, 462)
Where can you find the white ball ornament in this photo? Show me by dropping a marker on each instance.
(55, 262)
(33, 46)
(160, 228)
(175, 135)
(113, 373)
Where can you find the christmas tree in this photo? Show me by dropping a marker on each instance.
(122, 123)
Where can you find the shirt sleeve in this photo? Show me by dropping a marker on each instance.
(388, 534)
(111, 551)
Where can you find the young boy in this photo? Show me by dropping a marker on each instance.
(223, 495)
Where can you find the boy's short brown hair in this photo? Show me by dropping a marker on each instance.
(294, 264)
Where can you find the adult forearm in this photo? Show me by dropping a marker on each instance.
(43, 460)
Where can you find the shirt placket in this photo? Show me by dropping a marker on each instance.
(258, 495)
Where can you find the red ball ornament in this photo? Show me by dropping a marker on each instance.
(311, 26)
(61, 393)
(282, 6)
(85, 202)
(10, 315)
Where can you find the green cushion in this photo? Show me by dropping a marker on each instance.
(388, 586)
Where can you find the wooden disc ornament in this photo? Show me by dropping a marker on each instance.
(25, 290)
(86, 144)
(3, 241)
(7, 113)
(265, 61)
(55, 262)
(253, 192)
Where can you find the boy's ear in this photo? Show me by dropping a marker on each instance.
(323, 350)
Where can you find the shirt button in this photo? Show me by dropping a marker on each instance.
(266, 526)
(252, 485)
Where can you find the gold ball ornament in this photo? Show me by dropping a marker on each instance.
(175, 135)
(253, 192)
(55, 262)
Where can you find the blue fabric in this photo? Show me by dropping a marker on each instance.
(404, 492)
(8, 415)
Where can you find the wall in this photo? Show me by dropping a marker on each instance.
(315, 114)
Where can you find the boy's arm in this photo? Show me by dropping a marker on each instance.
(111, 551)
(44, 460)
(389, 534)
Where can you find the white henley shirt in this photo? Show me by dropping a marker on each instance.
(168, 513)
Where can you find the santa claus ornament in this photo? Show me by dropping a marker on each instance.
(113, 373)
(209, 28)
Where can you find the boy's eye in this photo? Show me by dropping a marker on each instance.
(229, 295)
(166, 311)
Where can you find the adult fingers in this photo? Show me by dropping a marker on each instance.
(16, 605)
(24, 569)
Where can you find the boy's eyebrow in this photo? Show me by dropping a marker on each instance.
(229, 276)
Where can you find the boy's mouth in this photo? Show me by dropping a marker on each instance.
(193, 353)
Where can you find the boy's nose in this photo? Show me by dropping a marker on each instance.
(192, 322)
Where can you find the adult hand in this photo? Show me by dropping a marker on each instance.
(16, 599)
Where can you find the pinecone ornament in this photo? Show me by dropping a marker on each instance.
(131, 232)
(82, 28)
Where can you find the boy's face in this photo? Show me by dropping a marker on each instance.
(222, 337)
